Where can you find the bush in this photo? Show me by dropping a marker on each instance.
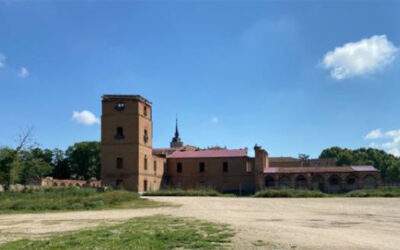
(289, 193)
(181, 192)
(378, 192)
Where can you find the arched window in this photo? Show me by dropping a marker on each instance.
(119, 133)
(269, 181)
(301, 181)
(145, 162)
(145, 136)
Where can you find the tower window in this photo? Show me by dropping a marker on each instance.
(201, 167)
(145, 162)
(225, 167)
(119, 106)
(145, 110)
(120, 162)
(119, 133)
(179, 167)
(155, 166)
(145, 136)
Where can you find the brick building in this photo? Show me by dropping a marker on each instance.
(128, 160)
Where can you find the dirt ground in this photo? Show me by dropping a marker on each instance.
(326, 223)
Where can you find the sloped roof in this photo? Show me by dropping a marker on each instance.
(209, 153)
(333, 169)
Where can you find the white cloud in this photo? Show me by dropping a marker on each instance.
(374, 134)
(390, 143)
(2, 61)
(85, 117)
(215, 119)
(359, 58)
(23, 72)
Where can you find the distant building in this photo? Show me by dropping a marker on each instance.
(129, 160)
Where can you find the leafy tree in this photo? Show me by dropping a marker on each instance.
(304, 157)
(6, 160)
(84, 160)
(62, 169)
(33, 170)
(388, 164)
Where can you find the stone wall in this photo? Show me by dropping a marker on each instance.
(50, 182)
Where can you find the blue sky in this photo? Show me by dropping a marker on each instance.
(236, 73)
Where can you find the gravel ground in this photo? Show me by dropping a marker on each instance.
(326, 223)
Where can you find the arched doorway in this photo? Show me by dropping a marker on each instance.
(370, 182)
(318, 183)
(351, 182)
(269, 181)
(334, 183)
(284, 182)
(301, 182)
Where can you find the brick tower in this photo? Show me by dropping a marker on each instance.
(126, 142)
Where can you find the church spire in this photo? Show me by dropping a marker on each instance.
(176, 128)
(176, 142)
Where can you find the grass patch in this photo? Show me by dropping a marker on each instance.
(73, 198)
(289, 193)
(189, 192)
(378, 192)
(155, 232)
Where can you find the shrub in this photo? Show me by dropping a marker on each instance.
(289, 193)
(378, 192)
(181, 192)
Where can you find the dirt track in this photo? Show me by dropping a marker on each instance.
(330, 223)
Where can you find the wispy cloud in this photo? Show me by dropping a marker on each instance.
(266, 31)
(388, 141)
(214, 119)
(23, 72)
(2, 61)
(85, 117)
(363, 57)
(374, 134)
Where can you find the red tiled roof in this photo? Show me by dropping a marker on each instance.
(337, 169)
(209, 153)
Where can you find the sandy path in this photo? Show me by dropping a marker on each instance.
(330, 223)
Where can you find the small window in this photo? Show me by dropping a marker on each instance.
(119, 133)
(155, 166)
(145, 110)
(120, 163)
(145, 185)
(225, 167)
(145, 162)
(248, 167)
(145, 136)
(119, 106)
(201, 167)
(179, 167)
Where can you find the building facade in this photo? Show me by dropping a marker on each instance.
(129, 161)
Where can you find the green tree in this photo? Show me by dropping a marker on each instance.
(6, 160)
(84, 160)
(304, 157)
(62, 168)
(387, 164)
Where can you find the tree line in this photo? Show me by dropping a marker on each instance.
(29, 165)
(387, 164)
